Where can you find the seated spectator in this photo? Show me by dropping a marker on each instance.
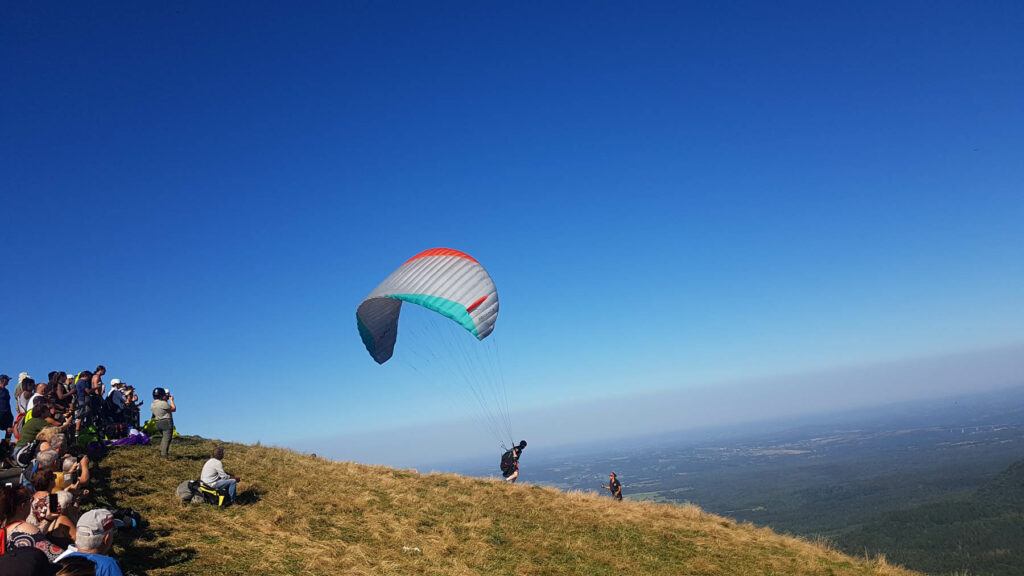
(74, 474)
(76, 566)
(62, 531)
(214, 476)
(45, 435)
(20, 532)
(32, 428)
(25, 562)
(56, 444)
(94, 538)
(46, 460)
(43, 482)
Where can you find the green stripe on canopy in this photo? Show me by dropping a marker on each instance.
(451, 309)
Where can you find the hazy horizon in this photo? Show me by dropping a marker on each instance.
(765, 400)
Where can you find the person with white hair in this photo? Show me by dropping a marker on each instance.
(74, 473)
(94, 537)
(62, 530)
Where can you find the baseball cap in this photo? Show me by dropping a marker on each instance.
(115, 382)
(96, 522)
(5, 378)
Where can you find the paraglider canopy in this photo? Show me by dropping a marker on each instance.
(446, 281)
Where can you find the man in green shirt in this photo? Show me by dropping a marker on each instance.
(31, 428)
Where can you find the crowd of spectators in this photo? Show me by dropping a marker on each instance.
(45, 471)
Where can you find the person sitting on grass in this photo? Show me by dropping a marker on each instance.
(94, 537)
(63, 531)
(74, 474)
(31, 429)
(214, 476)
(76, 566)
(21, 533)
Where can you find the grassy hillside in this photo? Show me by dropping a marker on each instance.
(981, 534)
(305, 515)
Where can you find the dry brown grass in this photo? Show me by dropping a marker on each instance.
(306, 515)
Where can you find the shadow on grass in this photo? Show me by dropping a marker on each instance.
(143, 554)
(247, 497)
(139, 553)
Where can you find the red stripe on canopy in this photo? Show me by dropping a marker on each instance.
(441, 252)
(473, 306)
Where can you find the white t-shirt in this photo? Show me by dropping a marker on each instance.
(213, 471)
(32, 401)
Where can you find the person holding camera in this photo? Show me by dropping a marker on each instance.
(162, 407)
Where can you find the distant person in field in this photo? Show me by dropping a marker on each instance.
(510, 462)
(614, 486)
(214, 476)
(163, 407)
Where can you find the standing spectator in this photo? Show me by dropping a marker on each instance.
(40, 393)
(26, 388)
(214, 476)
(6, 416)
(65, 389)
(133, 404)
(162, 407)
(97, 379)
(83, 384)
(94, 537)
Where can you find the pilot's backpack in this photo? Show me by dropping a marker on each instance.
(216, 496)
(508, 462)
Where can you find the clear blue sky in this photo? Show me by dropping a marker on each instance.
(667, 195)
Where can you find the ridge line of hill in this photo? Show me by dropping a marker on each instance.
(300, 514)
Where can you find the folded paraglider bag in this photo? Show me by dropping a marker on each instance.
(215, 496)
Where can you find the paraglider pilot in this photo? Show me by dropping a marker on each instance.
(510, 461)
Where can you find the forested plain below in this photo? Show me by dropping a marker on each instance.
(936, 486)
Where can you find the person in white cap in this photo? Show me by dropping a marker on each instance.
(94, 537)
(116, 395)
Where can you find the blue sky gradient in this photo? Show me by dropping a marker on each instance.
(668, 195)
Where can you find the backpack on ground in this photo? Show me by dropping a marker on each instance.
(188, 492)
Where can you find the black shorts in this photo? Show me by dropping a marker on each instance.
(6, 421)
